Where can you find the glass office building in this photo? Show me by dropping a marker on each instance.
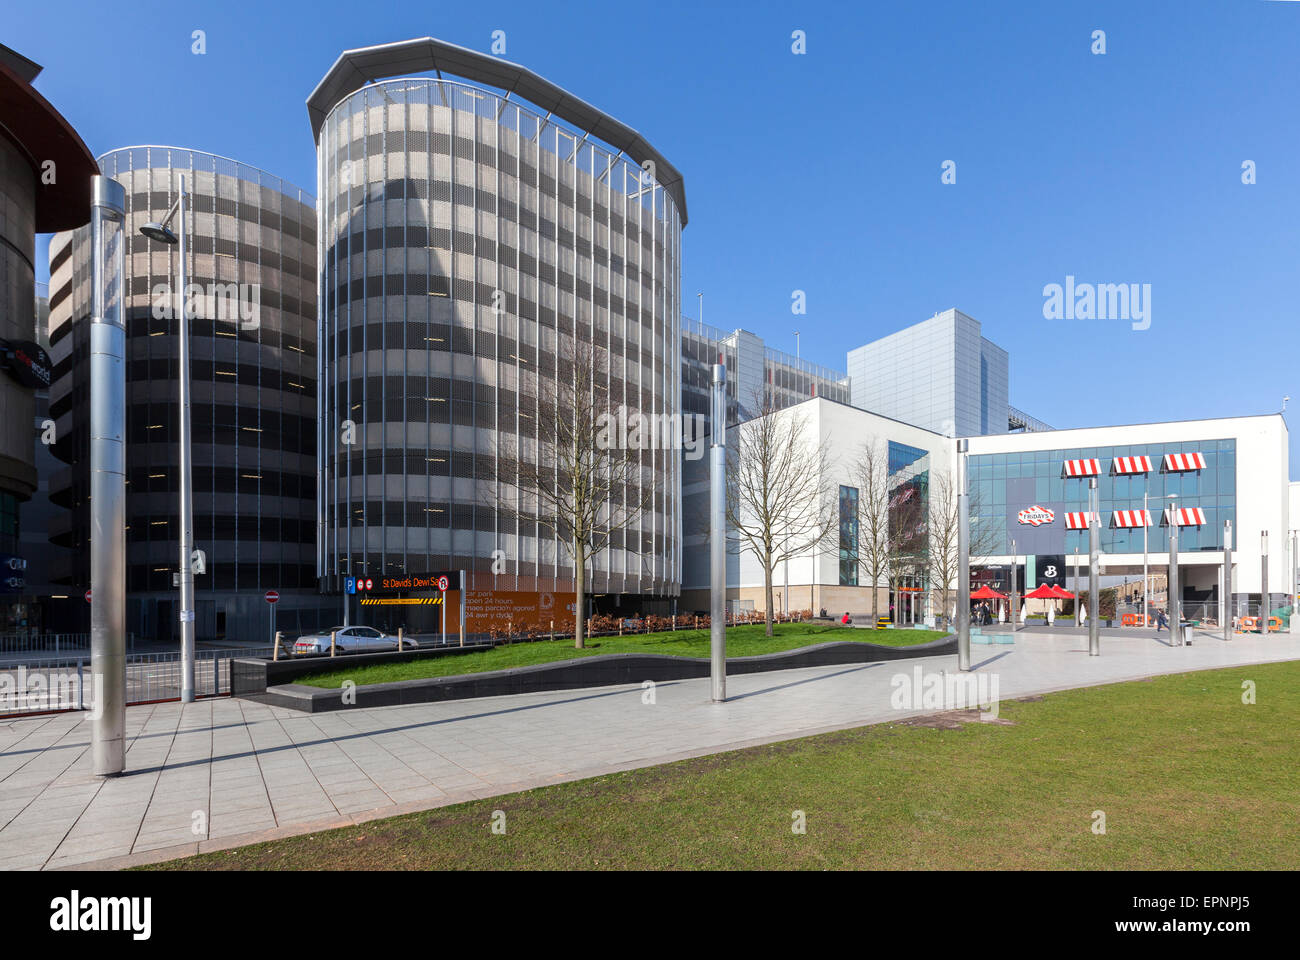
(941, 374)
(468, 237)
(252, 271)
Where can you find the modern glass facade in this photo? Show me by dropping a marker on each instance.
(901, 456)
(465, 239)
(941, 374)
(253, 260)
(1005, 483)
(752, 367)
(848, 536)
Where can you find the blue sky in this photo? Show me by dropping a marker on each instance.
(821, 172)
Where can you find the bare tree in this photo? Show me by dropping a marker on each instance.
(583, 479)
(907, 556)
(870, 474)
(943, 530)
(779, 502)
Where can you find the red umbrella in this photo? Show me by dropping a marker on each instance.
(987, 593)
(1061, 593)
(1042, 592)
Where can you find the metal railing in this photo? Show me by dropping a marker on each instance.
(55, 642)
(51, 684)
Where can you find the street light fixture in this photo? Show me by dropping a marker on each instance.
(1263, 582)
(108, 478)
(161, 233)
(963, 560)
(1146, 583)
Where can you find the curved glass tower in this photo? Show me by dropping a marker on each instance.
(252, 242)
(467, 237)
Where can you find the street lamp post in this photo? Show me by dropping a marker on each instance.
(1146, 583)
(161, 233)
(108, 478)
(718, 536)
(1094, 571)
(963, 560)
(1015, 561)
(1174, 586)
(1263, 582)
(1226, 598)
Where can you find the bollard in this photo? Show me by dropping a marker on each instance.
(399, 639)
(510, 630)
(332, 633)
(552, 629)
(275, 654)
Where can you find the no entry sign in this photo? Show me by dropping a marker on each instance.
(272, 596)
(88, 596)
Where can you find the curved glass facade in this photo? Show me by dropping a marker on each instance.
(464, 238)
(252, 269)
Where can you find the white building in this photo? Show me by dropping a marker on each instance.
(829, 578)
(1232, 470)
(1029, 492)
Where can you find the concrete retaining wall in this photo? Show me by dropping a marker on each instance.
(594, 671)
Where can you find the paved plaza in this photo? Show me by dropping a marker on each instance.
(224, 772)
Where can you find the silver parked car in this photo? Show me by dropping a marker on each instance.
(350, 640)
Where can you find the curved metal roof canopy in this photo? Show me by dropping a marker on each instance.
(43, 134)
(355, 68)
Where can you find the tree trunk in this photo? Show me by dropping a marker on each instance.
(875, 604)
(580, 598)
(767, 587)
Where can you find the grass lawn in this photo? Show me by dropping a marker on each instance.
(742, 641)
(1186, 774)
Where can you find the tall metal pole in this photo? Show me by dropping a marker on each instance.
(1015, 562)
(108, 478)
(1175, 589)
(963, 560)
(1263, 582)
(1094, 570)
(186, 482)
(1226, 600)
(1146, 619)
(718, 536)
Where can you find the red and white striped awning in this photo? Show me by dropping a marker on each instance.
(1175, 462)
(1132, 464)
(1077, 521)
(1082, 468)
(1187, 516)
(1129, 519)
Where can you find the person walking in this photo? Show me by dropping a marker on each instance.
(1162, 621)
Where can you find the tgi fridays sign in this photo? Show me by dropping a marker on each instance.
(26, 362)
(1036, 516)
